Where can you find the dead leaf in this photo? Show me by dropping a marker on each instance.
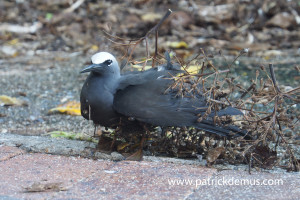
(71, 136)
(180, 19)
(13, 41)
(191, 69)
(151, 17)
(140, 67)
(214, 154)
(45, 187)
(9, 51)
(271, 54)
(14, 28)
(216, 14)
(264, 156)
(22, 94)
(122, 146)
(183, 54)
(95, 48)
(69, 108)
(282, 20)
(11, 101)
(177, 45)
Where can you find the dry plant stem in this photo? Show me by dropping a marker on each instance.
(242, 52)
(195, 58)
(274, 117)
(291, 153)
(293, 90)
(274, 78)
(206, 74)
(206, 59)
(271, 120)
(263, 125)
(252, 87)
(277, 88)
(74, 6)
(155, 54)
(134, 43)
(156, 27)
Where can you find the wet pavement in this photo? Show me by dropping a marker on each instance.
(32, 175)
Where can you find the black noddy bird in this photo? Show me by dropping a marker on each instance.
(106, 96)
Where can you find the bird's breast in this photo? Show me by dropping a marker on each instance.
(97, 103)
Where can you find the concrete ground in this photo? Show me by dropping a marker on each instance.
(36, 167)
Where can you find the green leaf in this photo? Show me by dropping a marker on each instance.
(49, 16)
(71, 136)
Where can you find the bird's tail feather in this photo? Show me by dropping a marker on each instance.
(224, 131)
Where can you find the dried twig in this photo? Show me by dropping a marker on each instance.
(134, 43)
(265, 107)
(74, 6)
(21, 29)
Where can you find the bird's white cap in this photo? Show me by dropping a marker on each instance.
(102, 57)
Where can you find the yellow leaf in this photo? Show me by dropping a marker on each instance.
(11, 101)
(13, 42)
(95, 48)
(69, 108)
(15, 54)
(122, 146)
(178, 45)
(193, 69)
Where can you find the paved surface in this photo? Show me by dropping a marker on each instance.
(43, 176)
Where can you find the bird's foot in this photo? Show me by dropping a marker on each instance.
(105, 144)
(137, 156)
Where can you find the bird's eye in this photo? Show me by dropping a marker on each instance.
(108, 62)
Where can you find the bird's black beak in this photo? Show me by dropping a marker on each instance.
(91, 68)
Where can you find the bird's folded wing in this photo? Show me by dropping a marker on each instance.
(145, 99)
(149, 101)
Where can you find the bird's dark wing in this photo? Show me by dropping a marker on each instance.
(144, 97)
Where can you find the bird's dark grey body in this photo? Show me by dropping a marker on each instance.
(96, 99)
(106, 96)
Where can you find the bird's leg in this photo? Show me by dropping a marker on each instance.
(97, 131)
(104, 143)
(138, 155)
(117, 131)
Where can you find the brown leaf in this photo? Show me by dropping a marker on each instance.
(282, 20)
(264, 156)
(213, 154)
(216, 14)
(45, 187)
(181, 20)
